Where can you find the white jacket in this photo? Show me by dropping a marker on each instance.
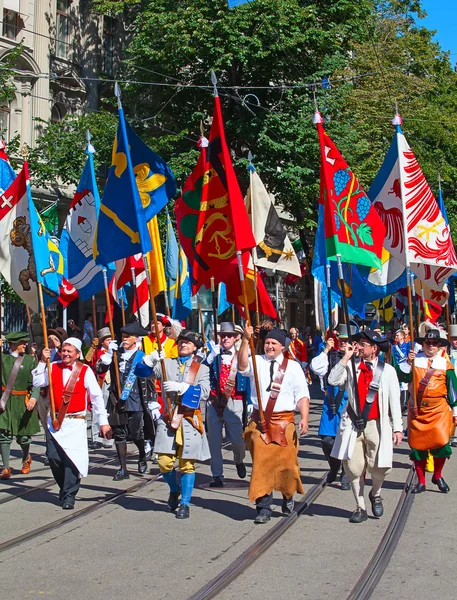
(389, 401)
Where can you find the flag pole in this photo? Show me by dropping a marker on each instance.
(94, 313)
(329, 298)
(360, 425)
(111, 327)
(122, 309)
(137, 298)
(448, 320)
(55, 423)
(156, 327)
(262, 424)
(200, 317)
(167, 301)
(29, 320)
(214, 303)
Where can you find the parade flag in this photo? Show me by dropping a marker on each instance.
(155, 180)
(27, 253)
(211, 217)
(182, 301)
(171, 260)
(122, 229)
(273, 248)
(155, 259)
(77, 239)
(417, 234)
(223, 304)
(233, 3)
(385, 308)
(353, 229)
(68, 293)
(7, 174)
(321, 306)
(142, 291)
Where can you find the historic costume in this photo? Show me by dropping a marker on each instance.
(430, 419)
(370, 449)
(274, 457)
(226, 405)
(74, 384)
(335, 401)
(453, 359)
(182, 436)
(128, 407)
(16, 418)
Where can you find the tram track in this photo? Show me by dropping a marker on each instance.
(370, 576)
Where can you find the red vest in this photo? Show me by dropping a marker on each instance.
(363, 383)
(78, 402)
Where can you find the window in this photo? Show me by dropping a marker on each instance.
(4, 123)
(12, 23)
(109, 28)
(63, 28)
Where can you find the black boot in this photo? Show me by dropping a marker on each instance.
(121, 448)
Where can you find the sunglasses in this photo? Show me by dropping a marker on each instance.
(431, 342)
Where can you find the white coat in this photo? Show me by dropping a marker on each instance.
(389, 402)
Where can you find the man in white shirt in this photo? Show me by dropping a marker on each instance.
(66, 441)
(274, 454)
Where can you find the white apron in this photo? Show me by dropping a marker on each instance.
(72, 438)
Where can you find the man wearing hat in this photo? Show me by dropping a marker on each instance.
(99, 346)
(335, 401)
(17, 403)
(364, 441)
(128, 408)
(181, 436)
(274, 454)
(56, 337)
(66, 441)
(227, 401)
(432, 410)
(400, 351)
(168, 344)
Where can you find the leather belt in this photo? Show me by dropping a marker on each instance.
(76, 417)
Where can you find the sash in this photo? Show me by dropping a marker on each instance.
(373, 389)
(190, 379)
(67, 395)
(131, 377)
(275, 389)
(11, 382)
(423, 383)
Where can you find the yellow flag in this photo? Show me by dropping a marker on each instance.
(155, 259)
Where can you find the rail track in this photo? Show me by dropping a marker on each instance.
(370, 576)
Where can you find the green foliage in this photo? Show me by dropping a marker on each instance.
(7, 63)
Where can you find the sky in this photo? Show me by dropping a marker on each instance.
(442, 16)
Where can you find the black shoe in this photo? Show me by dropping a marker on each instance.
(183, 512)
(358, 516)
(377, 507)
(217, 482)
(241, 470)
(261, 518)
(442, 485)
(173, 500)
(142, 466)
(121, 474)
(287, 506)
(94, 445)
(67, 506)
(418, 488)
(331, 477)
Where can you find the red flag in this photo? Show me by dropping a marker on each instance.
(211, 216)
(67, 293)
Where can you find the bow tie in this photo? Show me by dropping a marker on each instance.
(226, 353)
(64, 366)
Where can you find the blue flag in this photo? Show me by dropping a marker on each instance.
(233, 3)
(7, 175)
(440, 201)
(223, 303)
(77, 239)
(171, 260)
(155, 180)
(122, 228)
(182, 305)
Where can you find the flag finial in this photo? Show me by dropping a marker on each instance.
(397, 120)
(251, 167)
(214, 82)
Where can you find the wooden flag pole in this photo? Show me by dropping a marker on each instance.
(94, 314)
(360, 425)
(137, 298)
(411, 335)
(111, 327)
(257, 310)
(214, 302)
(167, 300)
(233, 313)
(122, 309)
(448, 320)
(156, 327)
(29, 321)
(262, 423)
(52, 403)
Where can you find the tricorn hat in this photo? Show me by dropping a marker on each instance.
(191, 336)
(134, 329)
(103, 333)
(14, 337)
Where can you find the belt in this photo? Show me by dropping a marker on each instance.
(17, 393)
(76, 417)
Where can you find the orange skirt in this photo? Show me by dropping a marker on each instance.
(431, 428)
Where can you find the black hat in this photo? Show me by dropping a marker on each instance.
(191, 336)
(59, 332)
(434, 334)
(161, 318)
(372, 337)
(17, 336)
(277, 334)
(134, 329)
(227, 327)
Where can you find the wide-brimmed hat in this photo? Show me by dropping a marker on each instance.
(227, 327)
(191, 336)
(434, 334)
(134, 329)
(374, 338)
(103, 333)
(14, 337)
(59, 332)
